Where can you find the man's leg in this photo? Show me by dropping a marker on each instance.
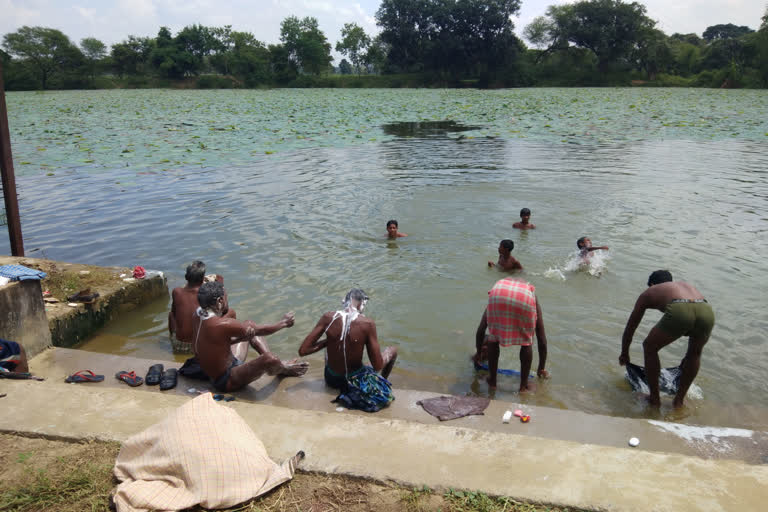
(493, 362)
(656, 340)
(23, 366)
(389, 356)
(526, 359)
(241, 376)
(690, 368)
(240, 350)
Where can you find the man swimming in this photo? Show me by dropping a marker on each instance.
(506, 260)
(392, 231)
(525, 220)
(215, 334)
(585, 247)
(347, 331)
(512, 317)
(686, 313)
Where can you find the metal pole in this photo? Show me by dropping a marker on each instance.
(9, 180)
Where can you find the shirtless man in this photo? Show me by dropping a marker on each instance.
(525, 220)
(347, 332)
(512, 317)
(585, 247)
(13, 358)
(392, 231)
(215, 333)
(182, 319)
(686, 313)
(506, 260)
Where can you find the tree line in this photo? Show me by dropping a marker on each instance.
(429, 42)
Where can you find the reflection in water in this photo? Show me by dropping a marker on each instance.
(423, 129)
(296, 232)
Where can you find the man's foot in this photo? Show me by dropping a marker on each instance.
(297, 458)
(528, 388)
(677, 404)
(654, 402)
(491, 382)
(293, 368)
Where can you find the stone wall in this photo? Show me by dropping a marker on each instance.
(22, 316)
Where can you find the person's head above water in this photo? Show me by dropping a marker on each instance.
(525, 212)
(392, 228)
(659, 276)
(508, 245)
(195, 272)
(209, 294)
(356, 298)
(583, 242)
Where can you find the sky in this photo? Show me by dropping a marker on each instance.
(112, 21)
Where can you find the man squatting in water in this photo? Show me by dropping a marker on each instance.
(347, 332)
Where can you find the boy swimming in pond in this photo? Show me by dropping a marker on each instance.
(585, 247)
(392, 231)
(347, 332)
(506, 260)
(525, 220)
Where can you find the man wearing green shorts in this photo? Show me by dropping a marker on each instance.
(686, 313)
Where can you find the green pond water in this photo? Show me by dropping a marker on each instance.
(287, 192)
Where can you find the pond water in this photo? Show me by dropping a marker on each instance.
(287, 193)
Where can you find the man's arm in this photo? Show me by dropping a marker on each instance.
(629, 331)
(374, 351)
(312, 342)
(601, 248)
(267, 329)
(172, 314)
(541, 340)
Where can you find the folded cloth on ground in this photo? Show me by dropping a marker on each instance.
(366, 390)
(451, 407)
(20, 272)
(201, 454)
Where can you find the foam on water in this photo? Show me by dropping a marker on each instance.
(709, 435)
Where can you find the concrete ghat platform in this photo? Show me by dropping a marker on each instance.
(565, 458)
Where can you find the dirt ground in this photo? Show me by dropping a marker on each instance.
(45, 475)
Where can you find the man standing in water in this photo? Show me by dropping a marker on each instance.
(392, 231)
(525, 220)
(182, 319)
(215, 334)
(506, 260)
(347, 332)
(512, 317)
(686, 313)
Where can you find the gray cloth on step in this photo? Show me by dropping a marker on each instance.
(451, 407)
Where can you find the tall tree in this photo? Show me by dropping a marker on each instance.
(727, 31)
(94, 52)
(354, 43)
(46, 50)
(306, 44)
(131, 56)
(611, 29)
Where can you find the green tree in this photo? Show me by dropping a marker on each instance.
(47, 51)
(354, 43)
(611, 29)
(653, 53)
(196, 42)
(375, 57)
(94, 52)
(131, 56)
(345, 68)
(306, 44)
(727, 31)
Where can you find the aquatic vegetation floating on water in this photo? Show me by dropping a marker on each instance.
(165, 122)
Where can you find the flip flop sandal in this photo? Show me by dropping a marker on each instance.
(223, 398)
(154, 375)
(129, 378)
(19, 375)
(170, 377)
(84, 376)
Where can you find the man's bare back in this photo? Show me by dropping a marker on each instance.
(182, 319)
(660, 295)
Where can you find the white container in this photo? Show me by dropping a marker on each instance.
(507, 416)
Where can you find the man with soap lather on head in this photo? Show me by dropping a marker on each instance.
(512, 317)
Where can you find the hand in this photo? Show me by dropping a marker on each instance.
(623, 359)
(542, 373)
(490, 264)
(288, 319)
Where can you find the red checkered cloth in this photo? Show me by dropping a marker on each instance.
(511, 313)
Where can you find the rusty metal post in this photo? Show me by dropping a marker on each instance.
(9, 180)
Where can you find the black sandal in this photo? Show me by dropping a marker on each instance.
(169, 380)
(154, 374)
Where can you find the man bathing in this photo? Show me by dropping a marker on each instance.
(182, 320)
(686, 313)
(585, 247)
(392, 231)
(215, 334)
(512, 317)
(506, 260)
(13, 358)
(347, 332)
(525, 220)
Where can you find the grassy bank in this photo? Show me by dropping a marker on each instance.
(56, 476)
